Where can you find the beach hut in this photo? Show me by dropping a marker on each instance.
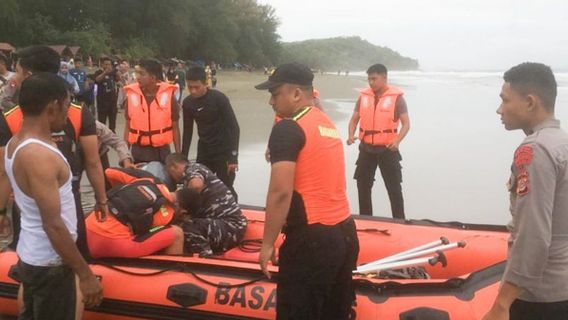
(63, 51)
(75, 51)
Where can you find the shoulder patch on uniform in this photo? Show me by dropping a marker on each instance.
(523, 156)
(523, 183)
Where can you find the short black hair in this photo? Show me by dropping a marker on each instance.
(174, 158)
(39, 89)
(196, 73)
(153, 67)
(190, 200)
(5, 60)
(103, 59)
(39, 59)
(377, 68)
(534, 78)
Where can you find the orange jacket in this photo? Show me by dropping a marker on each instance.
(150, 126)
(320, 169)
(377, 122)
(14, 118)
(112, 227)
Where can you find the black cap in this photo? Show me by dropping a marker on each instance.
(292, 73)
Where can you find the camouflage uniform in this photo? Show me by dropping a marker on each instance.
(219, 225)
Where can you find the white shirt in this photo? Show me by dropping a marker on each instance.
(34, 247)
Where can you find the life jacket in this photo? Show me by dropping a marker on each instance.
(15, 118)
(320, 169)
(378, 125)
(66, 140)
(135, 204)
(150, 125)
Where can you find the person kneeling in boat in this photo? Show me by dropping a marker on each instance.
(213, 221)
(139, 222)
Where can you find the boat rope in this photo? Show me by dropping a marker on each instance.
(184, 269)
(383, 231)
(250, 245)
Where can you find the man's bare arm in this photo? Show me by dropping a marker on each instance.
(41, 169)
(352, 126)
(280, 192)
(5, 188)
(94, 169)
(5, 191)
(177, 136)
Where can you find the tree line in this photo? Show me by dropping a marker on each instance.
(224, 31)
(218, 30)
(345, 53)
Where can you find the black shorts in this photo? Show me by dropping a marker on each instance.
(315, 268)
(49, 292)
(524, 310)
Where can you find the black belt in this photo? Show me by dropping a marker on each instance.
(149, 133)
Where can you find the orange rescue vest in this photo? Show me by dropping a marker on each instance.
(320, 169)
(378, 125)
(14, 118)
(150, 125)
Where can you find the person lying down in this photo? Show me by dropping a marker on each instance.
(145, 218)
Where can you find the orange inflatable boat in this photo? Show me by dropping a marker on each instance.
(464, 264)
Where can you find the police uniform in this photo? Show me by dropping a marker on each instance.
(538, 246)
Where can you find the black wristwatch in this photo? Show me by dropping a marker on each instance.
(3, 211)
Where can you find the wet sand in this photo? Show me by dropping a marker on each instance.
(255, 117)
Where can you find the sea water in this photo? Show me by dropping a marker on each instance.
(456, 157)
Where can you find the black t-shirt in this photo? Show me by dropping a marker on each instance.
(217, 127)
(106, 89)
(64, 139)
(286, 141)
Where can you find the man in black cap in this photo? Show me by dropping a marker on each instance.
(307, 201)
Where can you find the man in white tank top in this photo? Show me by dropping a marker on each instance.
(41, 179)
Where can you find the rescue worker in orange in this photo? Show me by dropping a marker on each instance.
(152, 114)
(307, 201)
(382, 115)
(141, 210)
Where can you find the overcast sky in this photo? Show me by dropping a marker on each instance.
(441, 34)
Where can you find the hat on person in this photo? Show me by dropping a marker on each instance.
(291, 73)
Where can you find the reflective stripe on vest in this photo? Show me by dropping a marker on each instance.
(15, 118)
(150, 126)
(320, 169)
(377, 122)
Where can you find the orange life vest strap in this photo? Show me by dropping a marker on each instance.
(149, 133)
(370, 132)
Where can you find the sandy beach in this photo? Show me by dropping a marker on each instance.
(255, 117)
